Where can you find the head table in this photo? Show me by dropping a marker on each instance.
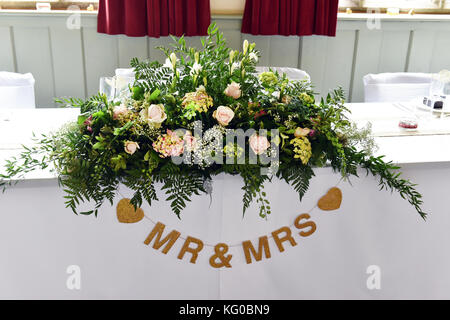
(374, 246)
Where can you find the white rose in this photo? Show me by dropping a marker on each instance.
(131, 147)
(154, 115)
(223, 115)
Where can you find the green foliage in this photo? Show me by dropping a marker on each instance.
(253, 189)
(298, 176)
(181, 187)
(91, 156)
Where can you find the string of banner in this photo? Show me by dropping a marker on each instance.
(126, 213)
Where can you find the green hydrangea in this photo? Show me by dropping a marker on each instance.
(306, 98)
(268, 79)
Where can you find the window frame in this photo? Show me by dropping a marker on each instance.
(440, 6)
(55, 4)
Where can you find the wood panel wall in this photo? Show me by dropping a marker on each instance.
(69, 62)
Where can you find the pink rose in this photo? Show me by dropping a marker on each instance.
(120, 111)
(190, 141)
(131, 147)
(223, 115)
(233, 90)
(259, 144)
(154, 115)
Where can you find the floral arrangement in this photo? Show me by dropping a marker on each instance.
(171, 128)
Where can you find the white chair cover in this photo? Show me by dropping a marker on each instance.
(125, 72)
(16, 90)
(292, 73)
(396, 87)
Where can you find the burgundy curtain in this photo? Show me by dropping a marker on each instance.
(154, 18)
(290, 17)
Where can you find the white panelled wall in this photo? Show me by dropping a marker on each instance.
(69, 62)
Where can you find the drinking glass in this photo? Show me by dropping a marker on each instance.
(117, 87)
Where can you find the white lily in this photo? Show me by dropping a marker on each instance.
(234, 66)
(196, 68)
(253, 56)
(168, 64)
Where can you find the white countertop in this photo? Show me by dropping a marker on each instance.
(17, 127)
(430, 143)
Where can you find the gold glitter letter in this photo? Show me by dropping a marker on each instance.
(193, 251)
(309, 224)
(249, 250)
(158, 231)
(288, 237)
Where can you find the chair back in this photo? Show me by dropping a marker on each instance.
(291, 73)
(125, 72)
(17, 90)
(396, 87)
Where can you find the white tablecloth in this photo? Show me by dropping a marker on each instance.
(426, 145)
(20, 124)
(40, 239)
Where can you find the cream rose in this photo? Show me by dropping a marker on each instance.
(131, 147)
(154, 115)
(233, 90)
(300, 132)
(118, 111)
(223, 115)
(259, 144)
